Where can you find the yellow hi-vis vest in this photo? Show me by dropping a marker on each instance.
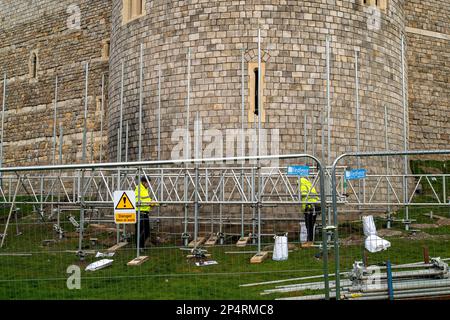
(146, 201)
(309, 193)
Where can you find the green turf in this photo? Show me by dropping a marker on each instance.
(170, 275)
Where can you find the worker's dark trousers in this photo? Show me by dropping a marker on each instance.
(311, 212)
(144, 229)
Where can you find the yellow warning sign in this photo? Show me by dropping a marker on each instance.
(124, 202)
(124, 218)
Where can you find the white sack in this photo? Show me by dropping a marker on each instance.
(280, 250)
(369, 226)
(303, 233)
(373, 242)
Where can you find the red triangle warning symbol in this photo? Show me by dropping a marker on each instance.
(124, 202)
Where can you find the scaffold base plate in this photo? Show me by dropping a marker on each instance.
(259, 257)
(211, 241)
(117, 246)
(137, 261)
(200, 241)
(242, 242)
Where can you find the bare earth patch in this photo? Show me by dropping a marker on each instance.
(424, 226)
(353, 240)
(443, 222)
(431, 170)
(425, 236)
(389, 233)
(291, 246)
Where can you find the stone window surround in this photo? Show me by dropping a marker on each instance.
(106, 49)
(130, 10)
(380, 4)
(251, 91)
(31, 66)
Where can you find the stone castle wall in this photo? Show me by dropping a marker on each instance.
(428, 26)
(42, 27)
(293, 41)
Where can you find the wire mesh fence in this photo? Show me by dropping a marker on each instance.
(211, 221)
(392, 245)
(58, 224)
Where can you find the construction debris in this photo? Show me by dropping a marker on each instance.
(99, 265)
(48, 242)
(206, 263)
(199, 242)
(104, 255)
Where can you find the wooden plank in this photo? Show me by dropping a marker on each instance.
(200, 241)
(191, 256)
(259, 257)
(117, 246)
(48, 242)
(242, 242)
(137, 261)
(211, 241)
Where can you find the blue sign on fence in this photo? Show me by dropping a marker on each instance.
(301, 171)
(355, 174)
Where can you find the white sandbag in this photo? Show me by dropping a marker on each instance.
(303, 233)
(280, 250)
(369, 226)
(373, 242)
(99, 265)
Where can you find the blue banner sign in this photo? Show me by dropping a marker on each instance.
(301, 171)
(355, 174)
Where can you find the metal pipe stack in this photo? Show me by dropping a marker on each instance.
(421, 280)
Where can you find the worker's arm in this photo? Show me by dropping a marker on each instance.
(153, 203)
(149, 202)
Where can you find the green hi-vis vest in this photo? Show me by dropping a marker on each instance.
(146, 201)
(309, 193)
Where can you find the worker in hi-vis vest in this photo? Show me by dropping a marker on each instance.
(311, 207)
(146, 206)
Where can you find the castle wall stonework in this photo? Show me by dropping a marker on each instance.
(47, 29)
(293, 42)
(293, 53)
(428, 25)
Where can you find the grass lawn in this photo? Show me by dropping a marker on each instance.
(168, 274)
